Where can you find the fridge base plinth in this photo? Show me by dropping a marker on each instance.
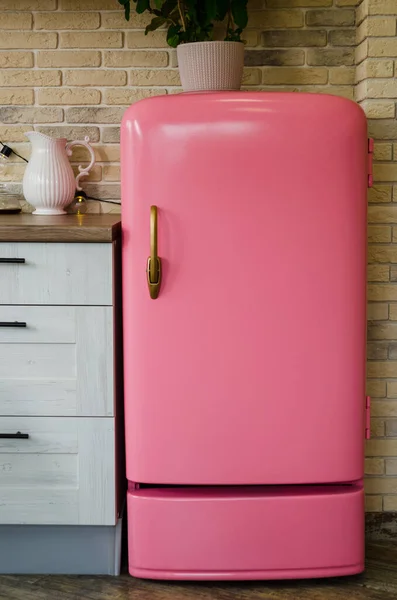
(245, 533)
(248, 575)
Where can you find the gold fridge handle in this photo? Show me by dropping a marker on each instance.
(153, 268)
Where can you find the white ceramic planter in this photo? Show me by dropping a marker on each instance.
(206, 66)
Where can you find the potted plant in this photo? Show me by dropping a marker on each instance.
(204, 64)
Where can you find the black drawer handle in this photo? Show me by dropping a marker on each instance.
(14, 436)
(12, 324)
(12, 260)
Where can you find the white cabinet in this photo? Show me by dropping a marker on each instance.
(56, 360)
(63, 473)
(59, 408)
(56, 273)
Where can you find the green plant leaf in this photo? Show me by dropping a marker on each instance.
(191, 7)
(222, 7)
(240, 13)
(155, 24)
(142, 5)
(173, 35)
(127, 8)
(198, 17)
(234, 35)
(168, 6)
(210, 10)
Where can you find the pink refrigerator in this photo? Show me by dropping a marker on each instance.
(244, 298)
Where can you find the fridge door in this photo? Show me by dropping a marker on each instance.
(249, 366)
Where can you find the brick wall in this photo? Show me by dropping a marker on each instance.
(376, 91)
(70, 67)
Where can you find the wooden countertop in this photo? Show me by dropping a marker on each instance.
(68, 228)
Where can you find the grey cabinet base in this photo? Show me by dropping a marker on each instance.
(60, 549)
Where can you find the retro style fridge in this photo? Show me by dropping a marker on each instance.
(244, 268)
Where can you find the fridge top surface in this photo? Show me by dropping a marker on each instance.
(193, 106)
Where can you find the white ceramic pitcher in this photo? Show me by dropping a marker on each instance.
(49, 183)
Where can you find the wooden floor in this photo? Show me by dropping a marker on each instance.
(378, 583)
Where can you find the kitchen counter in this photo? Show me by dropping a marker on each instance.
(69, 228)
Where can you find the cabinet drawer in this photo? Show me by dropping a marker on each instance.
(63, 473)
(52, 273)
(56, 360)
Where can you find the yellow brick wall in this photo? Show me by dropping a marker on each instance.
(376, 91)
(71, 67)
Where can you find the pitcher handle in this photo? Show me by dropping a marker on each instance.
(83, 170)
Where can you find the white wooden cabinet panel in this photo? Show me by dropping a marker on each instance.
(94, 366)
(60, 364)
(36, 470)
(46, 436)
(38, 397)
(97, 472)
(56, 273)
(63, 474)
(43, 324)
(37, 360)
(38, 506)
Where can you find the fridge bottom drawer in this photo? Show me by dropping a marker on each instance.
(246, 532)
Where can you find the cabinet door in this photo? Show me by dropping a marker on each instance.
(56, 360)
(56, 273)
(249, 368)
(62, 474)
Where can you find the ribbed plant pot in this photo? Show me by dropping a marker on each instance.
(206, 66)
